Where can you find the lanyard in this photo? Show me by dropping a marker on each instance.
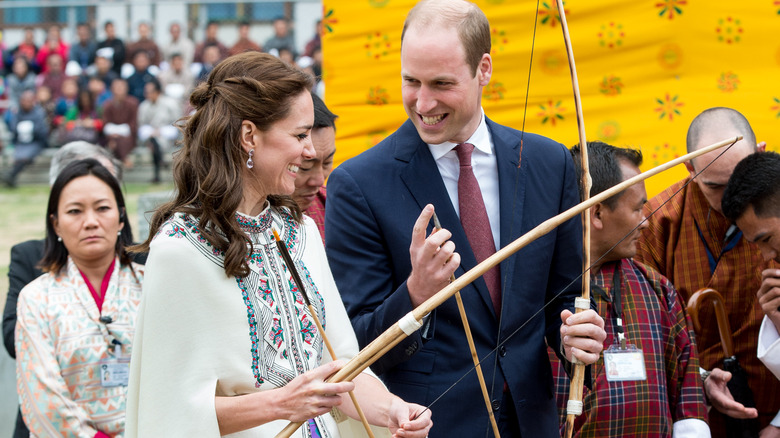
(617, 307)
(731, 241)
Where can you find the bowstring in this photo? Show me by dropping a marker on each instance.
(575, 280)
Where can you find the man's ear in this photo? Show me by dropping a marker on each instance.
(689, 167)
(485, 69)
(248, 139)
(596, 212)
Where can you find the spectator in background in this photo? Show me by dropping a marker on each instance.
(282, 39)
(141, 76)
(53, 46)
(244, 43)
(210, 59)
(103, 67)
(177, 81)
(29, 130)
(54, 75)
(83, 51)
(101, 93)
(45, 100)
(179, 44)
(120, 117)
(76, 322)
(211, 40)
(18, 80)
(67, 100)
(309, 191)
(286, 55)
(81, 123)
(23, 267)
(145, 44)
(27, 49)
(316, 42)
(117, 47)
(156, 116)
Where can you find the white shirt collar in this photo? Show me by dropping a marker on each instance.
(480, 139)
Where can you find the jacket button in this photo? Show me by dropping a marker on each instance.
(502, 351)
(495, 404)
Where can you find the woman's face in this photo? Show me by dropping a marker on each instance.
(280, 151)
(88, 220)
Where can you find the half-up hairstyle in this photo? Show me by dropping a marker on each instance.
(209, 170)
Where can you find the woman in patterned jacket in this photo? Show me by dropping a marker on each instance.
(225, 342)
(75, 323)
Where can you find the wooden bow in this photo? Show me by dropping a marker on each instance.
(574, 406)
(395, 334)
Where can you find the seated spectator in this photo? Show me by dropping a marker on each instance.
(283, 38)
(117, 47)
(212, 28)
(54, 76)
(19, 80)
(83, 50)
(286, 55)
(244, 44)
(120, 118)
(29, 131)
(103, 67)
(179, 44)
(101, 93)
(75, 323)
(210, 60)
(316, 42)
(23, 267)
(81, 123)
(156, 116)
(141, 76)
(145, 44)
(27, 49)
(177, 81)
(44, 99)
(53, 45)
(68, 94)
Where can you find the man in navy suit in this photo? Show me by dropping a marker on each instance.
(387, 260)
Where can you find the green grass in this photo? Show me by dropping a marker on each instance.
(22, 212)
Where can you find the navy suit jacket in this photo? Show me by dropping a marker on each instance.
(374, 200)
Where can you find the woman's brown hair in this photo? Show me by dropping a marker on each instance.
(208, 171)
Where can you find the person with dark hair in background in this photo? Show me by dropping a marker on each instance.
(29, 133)
(752, 201)
(27, 49)
(141, 76)
(83, 50)
(145, 44)
(177, 81)
(244, 43)
(657, 392)
(283, 38)
(120, 121)
(256, 359)
(20, 78)
(116, 45)
(212, 28)
(23, 266)
(75, 323)
(387, 259)
(156, 116)
(179, 44)
(310, 191)
(695, 246)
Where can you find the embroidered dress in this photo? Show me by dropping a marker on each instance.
(654, 322)
(203, 334)
(60, 343)
(686, 242)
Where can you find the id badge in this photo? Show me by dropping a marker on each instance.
(623, 365)
(114, 373)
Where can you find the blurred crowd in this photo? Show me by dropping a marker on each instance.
(118, 94)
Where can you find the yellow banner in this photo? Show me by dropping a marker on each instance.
(646, 68)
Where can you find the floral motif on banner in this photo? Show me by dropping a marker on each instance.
(378, 96)
(611, 35)
(494, 91)
(729, 30)
(377, 45)
(670, 56)
(551, 112)
(549, 14)
(670, 7)
(669, 106)
(553, 62)
(498, 40)
(728, 82)
(609, 130)
(660, 154)
(611, 86)
(776, 107)
(328, 19)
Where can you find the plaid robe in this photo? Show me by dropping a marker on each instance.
(316, 211)
(674, 244)
(655, 322)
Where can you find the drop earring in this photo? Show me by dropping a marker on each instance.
(250, 163)
(59, 239)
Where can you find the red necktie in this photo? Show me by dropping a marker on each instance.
(474, 219)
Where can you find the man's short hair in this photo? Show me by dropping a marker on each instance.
(79, 150)
(755, 183)
(714, 117)
(471, 23)
(323, 117)
(604, 163)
